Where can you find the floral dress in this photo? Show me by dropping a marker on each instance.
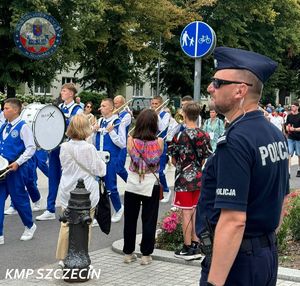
(183, 149)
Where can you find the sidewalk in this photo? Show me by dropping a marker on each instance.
(115, 272)
(164, 270)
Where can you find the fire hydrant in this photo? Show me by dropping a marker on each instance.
(77, 215)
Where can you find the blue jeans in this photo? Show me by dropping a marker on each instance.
(294, 147)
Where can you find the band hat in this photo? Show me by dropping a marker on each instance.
(231, 58)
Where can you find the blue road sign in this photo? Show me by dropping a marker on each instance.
(197, 39)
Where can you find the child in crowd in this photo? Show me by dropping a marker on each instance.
(189, 149)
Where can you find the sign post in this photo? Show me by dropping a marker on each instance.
(197, 40)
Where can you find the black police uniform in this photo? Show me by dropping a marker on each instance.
(248, 172)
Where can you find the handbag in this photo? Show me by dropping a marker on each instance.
(161, 187)
(102, 211)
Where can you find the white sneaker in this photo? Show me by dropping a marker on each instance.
(37, 205)
(167, 196)
(46, 216)
(28, 233)
(95, 223)
(116, 217)
(61, 264)
(10, 211)
(1, 239)
(146, 260)
(128, 258)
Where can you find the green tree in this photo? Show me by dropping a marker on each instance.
(117, 39)
(264, 26)
(16, 68)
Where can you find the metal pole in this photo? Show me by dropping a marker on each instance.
(158, 68)
(197, 80)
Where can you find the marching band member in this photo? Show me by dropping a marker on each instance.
(69, 108)
(30, 182)
(109, 139)
(163, 123)
(125, 118)
(17, 146)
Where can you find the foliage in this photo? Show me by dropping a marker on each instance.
(34, 98)
(290, 226)
(94, 97)
(29, 98)
(264, 26)
(282, 235)
(120, 39)
(294, 218)
(170, 236)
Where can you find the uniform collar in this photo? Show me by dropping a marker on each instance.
(113, 117)
(247, 115)
(15, 121)
(69, 105)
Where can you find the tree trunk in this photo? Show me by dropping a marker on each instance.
(11, 92)
(283, 93)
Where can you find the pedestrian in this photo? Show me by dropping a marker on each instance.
(214, 126)
(163, 125)
(189, 149)
(245, 182)
(69, 109)
(88, 111)
(277, 120)
(185, 100)
(292, 127)
(78, 101)
(79, 159)
(142, 188)
(17, 147)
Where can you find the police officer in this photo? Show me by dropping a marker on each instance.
(245, 181)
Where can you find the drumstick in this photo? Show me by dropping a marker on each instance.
(4, 173)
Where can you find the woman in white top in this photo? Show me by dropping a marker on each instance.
(90, 165)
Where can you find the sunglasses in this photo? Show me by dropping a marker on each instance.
(216, 82)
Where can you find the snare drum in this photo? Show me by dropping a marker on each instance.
(3, 167)
(47, 123)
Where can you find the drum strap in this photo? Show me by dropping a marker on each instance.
(101, 141)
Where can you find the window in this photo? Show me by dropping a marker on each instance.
(138, 89)
(68, 80)
(153, 91)
(42, 90)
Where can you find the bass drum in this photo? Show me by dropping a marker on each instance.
(47, 123)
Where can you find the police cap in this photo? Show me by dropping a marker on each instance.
(230, 58)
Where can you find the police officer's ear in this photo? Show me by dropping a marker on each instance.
(241, 90)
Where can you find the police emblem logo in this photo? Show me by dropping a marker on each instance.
(14, 134)
(37, 35)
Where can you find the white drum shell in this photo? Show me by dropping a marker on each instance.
(47, 123)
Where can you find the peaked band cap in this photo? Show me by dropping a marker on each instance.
(231, 58)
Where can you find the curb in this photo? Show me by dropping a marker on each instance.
(287, 274)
